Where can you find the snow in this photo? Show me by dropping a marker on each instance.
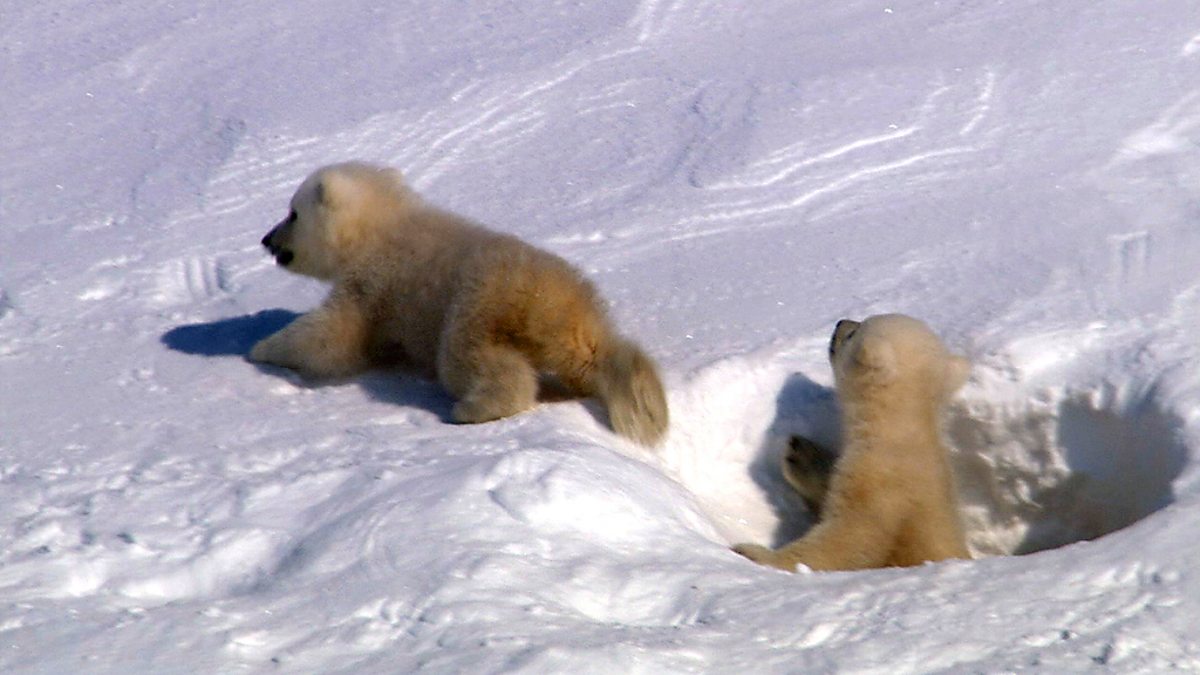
(735, 178)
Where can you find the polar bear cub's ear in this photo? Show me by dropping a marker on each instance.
(348, 185)
(395, 175)
(336, 189)
(958, 368)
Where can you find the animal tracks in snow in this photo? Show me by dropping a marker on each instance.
(6, 305)
(1152, 178)
(1131, 256)
(190, 280)
(173, 283)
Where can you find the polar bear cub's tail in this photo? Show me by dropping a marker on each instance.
(628, 383)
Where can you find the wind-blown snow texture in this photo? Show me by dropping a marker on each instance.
(1023, 175)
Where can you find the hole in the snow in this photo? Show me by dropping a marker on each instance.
(1067, 465)
(1037, 466)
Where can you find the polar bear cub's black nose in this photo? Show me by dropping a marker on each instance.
(842, 332)
(268, 239)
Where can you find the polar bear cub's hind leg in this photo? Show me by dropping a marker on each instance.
(491, 381)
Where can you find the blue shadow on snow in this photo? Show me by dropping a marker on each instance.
(233, 336)
(802, 408)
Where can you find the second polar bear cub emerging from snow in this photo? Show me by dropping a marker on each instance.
(890, 500)
(483, 312)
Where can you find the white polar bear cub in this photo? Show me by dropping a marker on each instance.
(484, 312)
(890, 501)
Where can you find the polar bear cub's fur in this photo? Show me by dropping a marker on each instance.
(890, 500)
(484, 312)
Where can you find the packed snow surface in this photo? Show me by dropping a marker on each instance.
(1024, 176)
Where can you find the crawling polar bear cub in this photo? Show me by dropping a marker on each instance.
(890, 500)
(482, 311)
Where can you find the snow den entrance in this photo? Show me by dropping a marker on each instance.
(1038, 465)
(1039, 470)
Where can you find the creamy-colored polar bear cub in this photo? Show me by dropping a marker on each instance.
(482, 311)
(890, 500)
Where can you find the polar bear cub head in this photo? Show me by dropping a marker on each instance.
(337, 213)
(896, 354)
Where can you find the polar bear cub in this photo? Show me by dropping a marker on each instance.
(483, 312)
(890, 500)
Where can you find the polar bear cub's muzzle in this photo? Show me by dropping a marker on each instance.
(276, 239)
(841, 334)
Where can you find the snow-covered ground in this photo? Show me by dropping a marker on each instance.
(1022, 175)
